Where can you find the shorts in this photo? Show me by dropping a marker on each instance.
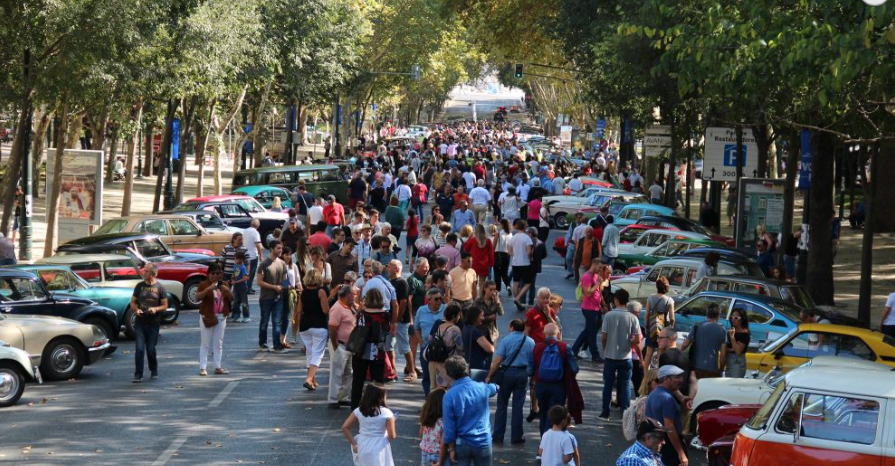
(522, 274)
(390, 342)
(402, 346)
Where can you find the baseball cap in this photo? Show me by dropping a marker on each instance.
(669, 370)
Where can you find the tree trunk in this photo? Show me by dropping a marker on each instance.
(871, 207)
(14, 167)
(186, 125)
(132, 142)
(819, 279)
(761, 140)
(202, 133)
(884, 220)
(173, 104)
(38, 145)
(113, 152)
(99, 127)
(789, 189)
(56, 186)
(302, 124)
(149, 158)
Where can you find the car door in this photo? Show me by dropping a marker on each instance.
(694, 311)
(234, 215)
(647, 284)
(185, 235)
(27, 296)
(91, 272)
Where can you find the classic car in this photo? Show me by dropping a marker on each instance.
(144, 246)
(237, 211)
(265, 194)
(741, 397)
(630, 213)
(682, 224)
(16, 369)
(643, 239)
(179, 232)
(562, 209)
(61, 279)
(208, 219)
(614, 202)
(21, 292)
(822, 415)
(724, 252)
(118, 271)
(787, 291)
(680, 272)
(671, 248)
(808, 341)
(60, 346)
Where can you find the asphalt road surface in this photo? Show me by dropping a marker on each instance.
(258, 414)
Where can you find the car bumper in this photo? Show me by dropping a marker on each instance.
(96, 352)
(35, 373)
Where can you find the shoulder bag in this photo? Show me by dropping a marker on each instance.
(498, 374)
(358, 338)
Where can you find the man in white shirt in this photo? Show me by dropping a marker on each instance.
(655, 192)
(610, 241)
(521, 247)
(315, 212)
(469, 178)
(251, 240)
(575, 185)
(480, 198)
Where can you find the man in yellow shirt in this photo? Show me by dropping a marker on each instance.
(463, 279)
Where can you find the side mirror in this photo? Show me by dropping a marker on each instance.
(779, 353)
(684, 312)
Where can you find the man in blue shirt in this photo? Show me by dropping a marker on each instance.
(423, 322)
(466, 417)
(662, 406)
(765, 259)
(645, 451)
(513, 354)
(462, 216)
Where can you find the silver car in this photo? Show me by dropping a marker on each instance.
(16, 369)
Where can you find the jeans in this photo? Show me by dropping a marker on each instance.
(570, 257)
(359, 367)
(515, 383)
(339, 374)
(549, 395)
(419, 212)
(425, 365)
(468, 454)
(270, 307)
(145, 339)
(533, 289)
(253, 267)
(616, 369)
(240, 301)
(593, 320)
(426, 459)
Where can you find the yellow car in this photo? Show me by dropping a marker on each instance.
(809, 340)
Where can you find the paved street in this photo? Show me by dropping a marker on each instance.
(259, 414)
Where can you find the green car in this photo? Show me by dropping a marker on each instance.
(668, 249)
(321, 180)
(265, 194)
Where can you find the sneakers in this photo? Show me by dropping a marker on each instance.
(263, 348)
(203, 372)
(137, 379)
(245, 320)
(154, 375)
(221, 371)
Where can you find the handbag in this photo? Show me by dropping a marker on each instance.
(498, 374)
(358, 338)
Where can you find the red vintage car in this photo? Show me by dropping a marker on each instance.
(714, 424)
(720, 451)
(630, 233)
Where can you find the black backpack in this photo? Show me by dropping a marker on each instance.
(437, 350)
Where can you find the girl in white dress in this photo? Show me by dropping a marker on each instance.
(372, 445)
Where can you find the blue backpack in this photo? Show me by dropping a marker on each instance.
(550, 368)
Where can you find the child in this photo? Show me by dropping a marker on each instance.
(431, 428)
(372, 445)
(240, 280)
(558, 447)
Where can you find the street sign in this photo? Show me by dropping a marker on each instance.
(721, 158)
(601, 128)
(805, 165)
(657, 140)
(565, 134)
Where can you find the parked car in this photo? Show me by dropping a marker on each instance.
(207, 219)
(21, 292)
(60, 346)
(145, 246)
(678, 223)
(647, 237)
(61, 279)
(630, 213)
(724, 252)
(177, 231)
(681, 273)
(119, 271)
(321, 180)
(822, 416)
(265, 194)
(671, 248)
(16, 370)
(787, 291)
(238, 211)
(808, 341)
(562, 209)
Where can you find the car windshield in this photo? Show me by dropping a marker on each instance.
(250, 205)
(771, 345)
(152, 247)
(788, 310)
(112, 226)
(697, 228)
(760, 419)
(210, 221)
(797, 295)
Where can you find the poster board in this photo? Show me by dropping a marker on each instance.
(81, 193)
(760, 202)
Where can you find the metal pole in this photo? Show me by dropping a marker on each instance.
(27, 174)
(169, 176)
(737, 228)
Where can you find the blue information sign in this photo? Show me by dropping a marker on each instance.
(805, 168)
(175, 139)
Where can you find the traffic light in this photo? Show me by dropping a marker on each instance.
(518, 71)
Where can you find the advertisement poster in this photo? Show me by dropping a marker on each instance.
(81, 192)
(760, 204)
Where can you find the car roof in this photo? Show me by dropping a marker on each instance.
(191, 212)
(218, 198)
(665, 218)
(646, 206)
(160, 215)
(81, 258)
(723, 252)
(842, 379)
(751, 279)
(109, 237)
(8, 272)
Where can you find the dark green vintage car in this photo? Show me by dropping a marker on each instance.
(670, 248)
(265, 195)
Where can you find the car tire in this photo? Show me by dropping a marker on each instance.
(130, 321)
(708, 406)
(12, 384)
(104, 326)
(190, 288)
(175, 303)
(561, 221)
(619, 270)
(63, 358)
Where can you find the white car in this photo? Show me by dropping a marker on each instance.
(681, 275)
(16, 370)
(647, 240)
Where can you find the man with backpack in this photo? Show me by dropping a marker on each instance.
(621, 330)
(550, 361)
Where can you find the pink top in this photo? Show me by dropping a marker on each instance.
(344, 319)
(591, 303)
(218, 302)
(431, 438)
(534, 210)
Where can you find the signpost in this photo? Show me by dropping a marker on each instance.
(657, 140)
(720, 162)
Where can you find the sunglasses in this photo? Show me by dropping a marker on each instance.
(736, 317)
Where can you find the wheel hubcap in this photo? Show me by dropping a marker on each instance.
(63, 358)
(191, 293)
(9, 384)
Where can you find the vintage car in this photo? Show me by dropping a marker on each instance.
(787, 291)
(207, 219)
(118, 271)
(60, 346)
(822, 415)
(179, 232)
(237, 211)
(16, 369)
(61, 279)
(680, 272)
(683, 224)
(670, 248)
(630, 213)
(21, 292)
(265, 194)
(808, 341)
(562, 209)
(641, 239)
(724, 252)
(143, 246)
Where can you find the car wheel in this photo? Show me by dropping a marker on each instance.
(12, 384)
(708, 406)
(130, 321)
(62, 359)
(104, 327)
(618, 269)
(190, 288)
(175, 303)
(561, 221)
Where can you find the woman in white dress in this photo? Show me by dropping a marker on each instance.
(372, 445)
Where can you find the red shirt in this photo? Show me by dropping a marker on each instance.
(482, 257)
(334, 214)
(320, 239)
(479, 172)
(535, 321)
(459, 198)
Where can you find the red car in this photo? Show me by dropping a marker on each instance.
(188, 273)
(720, 451)
(717, 423)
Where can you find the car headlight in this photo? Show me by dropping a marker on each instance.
(99, 337)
